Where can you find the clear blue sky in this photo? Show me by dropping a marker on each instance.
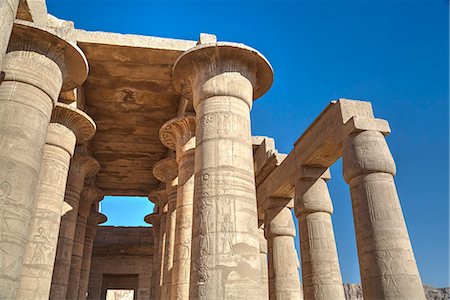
(393, 53)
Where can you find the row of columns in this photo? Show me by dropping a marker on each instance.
(47, 217)
(215, 238)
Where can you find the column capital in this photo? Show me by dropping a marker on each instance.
(76, 120)
(166, 170)
(158, 197)
(28, 36)
(278, 222)
(178, 134)
(84, 164)
(152, 219)
(89, 196)
(195, 67)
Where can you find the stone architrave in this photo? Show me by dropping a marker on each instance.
(81, 167)
(95, 218)
(154, 220)
(279, 230)
(320, 265)
(179, 134)
(264, 263)
(89, 196)
(36, 66)
(166, 170)
(159, 197)
(8, 12)
(68, 125)
(223, 79)
(386, 259)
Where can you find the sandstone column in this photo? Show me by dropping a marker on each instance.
(264, 263)
(320, 265)
(159, 197)
(279, 230)
(386, 259)
(89, 196)
(95, 218)
(154, 219)
(34, 67)
(81, 167)
(67, 126)
(166, 171)
(179, 134)
(224, 78)
(8, 12)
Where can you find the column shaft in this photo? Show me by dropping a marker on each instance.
(284, 281)
(162, 249)
(25, 109)
(264, 264)
(154, 289)
(80, 167)
(40, 254)
(320, 266)
(8, 12)
(89, 196)
(169, 241)
(387, 264)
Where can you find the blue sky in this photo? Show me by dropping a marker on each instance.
(393, 53)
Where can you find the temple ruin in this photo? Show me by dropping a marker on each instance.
(88, 114)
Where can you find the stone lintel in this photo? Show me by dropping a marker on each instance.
(207, 38)
(272, 202)
(76, 120)
(266, 159)
(314, 172)
(75, 66)
(363, 124)
(166, 170)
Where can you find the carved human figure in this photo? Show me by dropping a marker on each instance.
(223, 79)
(387, 264)
(279, 230)
(37, 66)
(320, 265)
(179, 134)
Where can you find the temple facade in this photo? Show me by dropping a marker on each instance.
(88, 114)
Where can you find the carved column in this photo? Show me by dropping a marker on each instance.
(159, 197)
(279, 230)
(81, 167)
(95, 218)
(179, 134)
(166, 171)
(386, 259)
(320, 265)
(154, 220)
(89, 196)
(224, 78)
(67, 126)
(8, 12)
(34, 67)
(264, 263)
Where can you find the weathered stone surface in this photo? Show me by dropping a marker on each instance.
(354, 292)
(223, 79)
(8, 11)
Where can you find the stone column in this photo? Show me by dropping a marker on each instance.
(159, 197)
(224, 78)
(67, 126)
(279, 230)
(166, 171)
(81, 167)
(89, 196)
(179, 134)
(154, 220)
(264, 263)
(320, 265)
(386, 259)
(8, 12)
(36, 65)
(95, 218)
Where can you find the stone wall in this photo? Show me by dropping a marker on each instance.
(122, 258)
